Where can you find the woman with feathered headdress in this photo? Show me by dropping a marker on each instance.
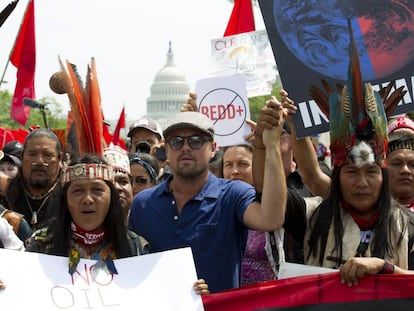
(357, 227)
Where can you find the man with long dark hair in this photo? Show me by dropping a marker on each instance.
(29, 192)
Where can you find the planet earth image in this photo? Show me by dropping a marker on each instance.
(316, 32)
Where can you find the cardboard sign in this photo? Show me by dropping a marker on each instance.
(159, 281)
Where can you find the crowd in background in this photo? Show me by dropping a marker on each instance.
(243, 209)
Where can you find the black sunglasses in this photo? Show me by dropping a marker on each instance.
(194, 141)
(140, 180)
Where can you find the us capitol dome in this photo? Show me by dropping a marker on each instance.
(168, 91)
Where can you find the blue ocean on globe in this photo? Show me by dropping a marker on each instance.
(316, 32)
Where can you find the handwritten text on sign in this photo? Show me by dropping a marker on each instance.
(161, 281)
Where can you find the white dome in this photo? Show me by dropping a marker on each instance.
(168, 92)
(170, 73)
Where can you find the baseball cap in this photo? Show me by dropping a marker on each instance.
(190, 119)
(148, 124)
(10, 158)
(13, 147)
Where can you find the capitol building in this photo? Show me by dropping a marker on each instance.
(168, 91)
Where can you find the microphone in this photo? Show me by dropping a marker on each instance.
(35, 104)
(32, 103)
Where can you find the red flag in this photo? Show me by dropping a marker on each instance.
(119, 126)
(241, 19)
(106, 134)
(318, 292)
(23, 57)
(6, 135)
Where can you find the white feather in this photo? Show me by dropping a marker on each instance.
(362, 154)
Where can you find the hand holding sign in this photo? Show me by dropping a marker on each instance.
(190, 104)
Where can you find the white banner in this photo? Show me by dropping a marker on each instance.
(249, 54)
(159, 281)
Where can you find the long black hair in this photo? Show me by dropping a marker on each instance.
(60, 229)
(330, 211)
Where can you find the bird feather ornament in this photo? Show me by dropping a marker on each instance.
(85, 105)
(357, 114)
(93, 108)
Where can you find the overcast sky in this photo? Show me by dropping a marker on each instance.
(128, 38)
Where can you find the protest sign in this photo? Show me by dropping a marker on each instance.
(224, 100)
(248, 54)
(159, 281)
(310, 42)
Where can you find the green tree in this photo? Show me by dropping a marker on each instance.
(54, 115)
(257, 103)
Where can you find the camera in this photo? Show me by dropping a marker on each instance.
(143, 147)
(160, 154)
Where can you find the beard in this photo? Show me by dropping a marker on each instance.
(38, 183)
(191, 173)
(39, 178)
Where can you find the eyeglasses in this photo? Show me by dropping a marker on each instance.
(194, 141)
(140, 180)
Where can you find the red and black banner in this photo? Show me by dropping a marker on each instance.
(318, 292)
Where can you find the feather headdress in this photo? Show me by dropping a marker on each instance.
(85, 105)
(357, 115)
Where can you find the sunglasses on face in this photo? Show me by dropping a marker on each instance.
(194, 141)
(140, 180)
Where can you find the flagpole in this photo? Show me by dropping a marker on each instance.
(4, 71)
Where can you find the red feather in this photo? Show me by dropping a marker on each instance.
(85, 104)
(94, 110)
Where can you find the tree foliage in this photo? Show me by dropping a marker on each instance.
(257, 103)
(54, 115)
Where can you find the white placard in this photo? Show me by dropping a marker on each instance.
(159, 281)
(224, 100)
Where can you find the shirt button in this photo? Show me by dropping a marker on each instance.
(175, 217)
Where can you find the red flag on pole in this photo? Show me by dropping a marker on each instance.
(241, 19)
(119, 126)
(106, 134)
(23, 57)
